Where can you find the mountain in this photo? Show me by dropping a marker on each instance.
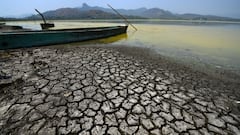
(2, 19)
(85, 12)
(96, 12)
(130, 12)
(205, 17)
(156, 13)
(74, 13)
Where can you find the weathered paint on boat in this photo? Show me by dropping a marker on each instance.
(10, 40)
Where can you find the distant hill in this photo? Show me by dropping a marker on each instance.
(80, 13)
(157, 13)
(95, 12)
(205, 17)
(2, 19)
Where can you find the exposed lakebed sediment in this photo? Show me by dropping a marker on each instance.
(110, 90)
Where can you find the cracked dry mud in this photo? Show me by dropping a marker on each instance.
(97, 90)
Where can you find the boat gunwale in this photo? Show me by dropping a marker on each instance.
(62, 30)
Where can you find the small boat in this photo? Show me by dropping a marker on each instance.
(2, 23)
(4, 27)
(31, 38)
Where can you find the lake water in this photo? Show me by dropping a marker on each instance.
(214, 44)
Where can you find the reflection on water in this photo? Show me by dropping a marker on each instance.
(108, 40)
(212, 43)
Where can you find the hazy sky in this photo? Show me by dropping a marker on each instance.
(228, 8)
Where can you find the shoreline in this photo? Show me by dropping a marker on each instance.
(151, 56)
(120, 85)
(224, 82)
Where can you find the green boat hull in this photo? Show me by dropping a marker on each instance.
(26, 39)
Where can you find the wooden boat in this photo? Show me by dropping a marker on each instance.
(2, 23)
(4, 27)
(23, 39)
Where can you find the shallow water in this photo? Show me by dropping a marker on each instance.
(213, 43)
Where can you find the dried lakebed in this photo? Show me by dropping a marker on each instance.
(110, 90)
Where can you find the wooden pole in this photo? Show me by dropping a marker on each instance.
(122, 17)
(41, 16)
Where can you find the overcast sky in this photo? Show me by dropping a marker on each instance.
(230, 8)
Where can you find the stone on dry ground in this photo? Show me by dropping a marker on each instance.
(97, 90)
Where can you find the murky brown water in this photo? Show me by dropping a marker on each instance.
(216, 44)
